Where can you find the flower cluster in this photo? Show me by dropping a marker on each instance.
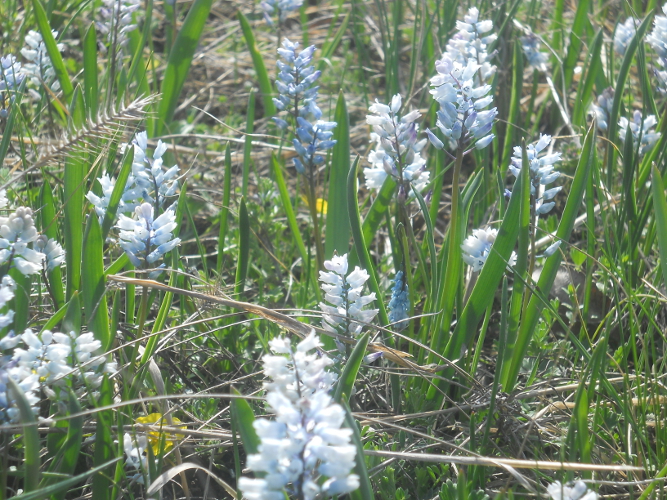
(542, 174)
(641, 129)
(144, 238)
(657, 39)
(397, 150)
(54, 255)
(281, 7)
(579, 491)
(530, 44)
(11, 77)
(306, 442)
(135, 447)
(344, 292)
(624, 33)
(298, 97)
(399, 304)
(17, 234)
(40, 68)
(115, 20)
(477, 246)
(470, 43)
(602, 109)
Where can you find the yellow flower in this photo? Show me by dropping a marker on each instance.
(155, 436)
(320, 204)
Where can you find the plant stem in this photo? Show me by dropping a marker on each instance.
(312, 205)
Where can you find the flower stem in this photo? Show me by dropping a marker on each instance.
(312, 205)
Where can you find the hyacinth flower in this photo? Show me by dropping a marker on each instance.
(305, 452)
(17, 237)
(641, 130)
(312, 136)
(280, 7)
(399, 304)
(530, 44)
(624, 33)
(602, 109)
(477, 247)
(345, 313)
(397, 150)
(578, 491)
(39, 69)
(115, 22)
(11, 77)
(657, 39)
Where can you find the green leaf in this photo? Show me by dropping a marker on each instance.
(179, 62)
(328, 48)
(337, 237)
(263, 79)
(365, 490)
(660, 206)
(52, 49)
(72, 319)
(224, 209)
(548, 274)
(74, 180)
(244, 416)
(31, 444)
(104, 446)
(577, 35)
(11, 120)
(376, 214)
(244, 249)
(347, 379)
(93, 284)
(90, 70)
(593, 67)
(49, 225)
(117, 193)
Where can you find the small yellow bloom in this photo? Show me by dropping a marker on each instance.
(320, 204)
(155, 436)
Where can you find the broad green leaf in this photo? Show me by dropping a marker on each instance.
(117, 193)
(31, 446)
(49, 225)
(660, 206)
(347, 379)
(72, 319)
(74, 181)
(263, 79)
(244, 416)
(90, 71)
(337, 237)
(104, 446)
(365, 490)
(179, 62)
(93, 284)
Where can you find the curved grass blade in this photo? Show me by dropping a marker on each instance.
(349, 376)
(104, 447)
(548, 274)
(11, 120)
(117, 193)
(328, 48)
(365, 491)
(244, 249)
(244, 416)
(93, 284)
(337, 236)
(75, 172)
(90, 84)
(577, 34)
(49, 224)
(593, 66)
(179, 63)
(265, 86)
(30, 437)
(224, 210)
(660, 206)
(247, 146)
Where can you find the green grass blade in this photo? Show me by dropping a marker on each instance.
(593, 68)
(11, 120)
(244, 249)
(117, 193)
(179, 63)
(347, 379)
(376, 214)
(224, 210)
(548, 274)
(515, 101)
(263, 79)
(20, 304)
(577, 35)
(104, 447)
(49, 225)
(244, 416)
(660, 206)
(329, 47)
(31, 444)
(52, 49)
(72, 319)
(337, 236)
(90, 70)
(75, 171)
(93, 284)
(365, 491)
(247, 145)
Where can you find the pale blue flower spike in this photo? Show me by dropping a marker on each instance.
(280, 7)
(39, 69)
(399, 304)
(578, 491)
(477, 247)
(115, 21)
(624, 33)
(530, 44)
(641, 129)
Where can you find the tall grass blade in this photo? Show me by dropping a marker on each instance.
(244, 249)
(224, 209)
(660, 207)
(49, 225)
(244, 417)
(31, 444)
(104, 447)
(365, 491)
(345, 383)
(90, 70)
(93, 284)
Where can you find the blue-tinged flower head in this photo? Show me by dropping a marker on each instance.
(462, 118)
(11, 76)
(397, 148)
(624, 33)
(578, 491)
(346, 314)
(39, 69)
(641, 129)
(542, 173)
(657, 39)
(54, 255)
(305, 452)
(17, 236)
(530, 44)
(602, 109)
(470, 43)
(477, 247)
(399, 304)
(145, 239)
(280, 7)
(115, 21)
(311, 144)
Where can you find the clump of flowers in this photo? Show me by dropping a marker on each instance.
(115, 20)
(306, 442)
(17, 236)
(54, 255)
(641, 130)
(578, 491)
(530, 44)
(135, 447)
(39, 69)
(11, 77)
(602, 109)
(657, 39)
(624, 33)
(477, 247)
(399, 304)
(542, 173)
(471, 42)
(280, 7)
(346, 314)
(397, 150)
